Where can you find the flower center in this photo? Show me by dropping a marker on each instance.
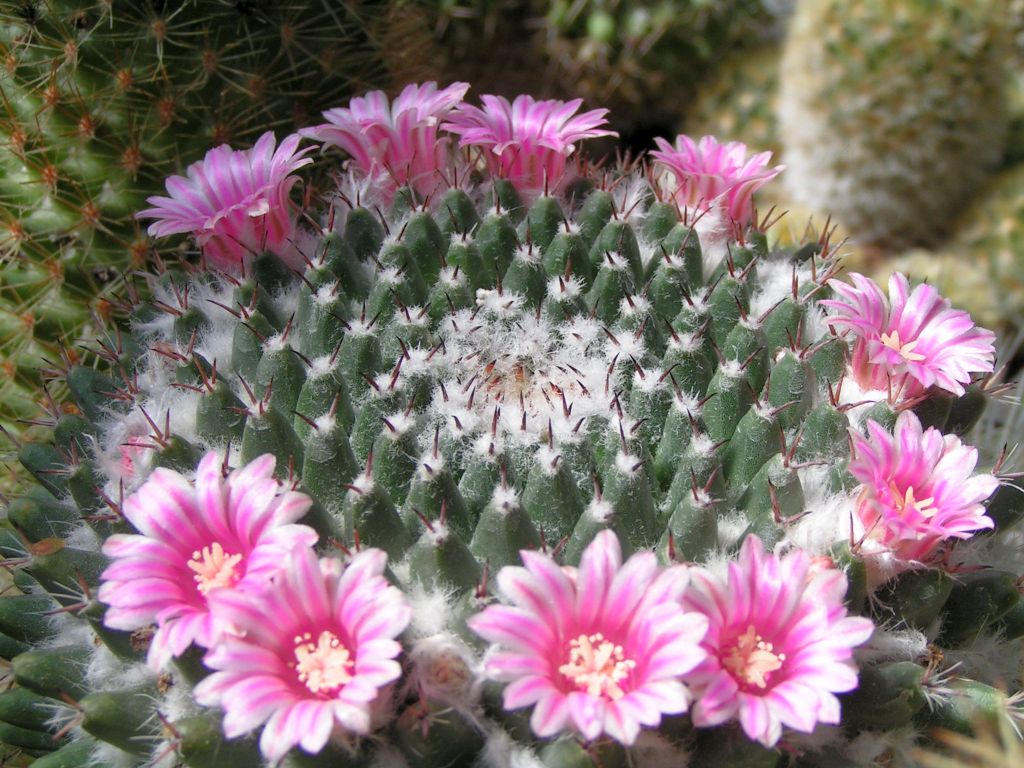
(214, 568)
(752, 660)
(906, 351)
(597, 666)
(924, 507)
(322, 666)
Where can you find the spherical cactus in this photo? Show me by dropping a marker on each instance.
(518, 465)
(892, 113)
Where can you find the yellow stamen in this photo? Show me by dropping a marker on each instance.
(323, 666)
(214, 567)
(924, 507)
(906, 351)
(597, 666)
(752, 660)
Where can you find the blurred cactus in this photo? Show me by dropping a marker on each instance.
(741, 100)
(892, 113)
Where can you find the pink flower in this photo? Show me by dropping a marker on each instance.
(197, 539)
(599, 650)
(235, 203)
(529, 141)
(909, 342)
(918, 488)
(398, 141)
(779, 643)
(309, 656)
(710, 174)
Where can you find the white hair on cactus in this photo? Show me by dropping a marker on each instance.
(653, 750)
(891, 644)
(898, 747)
(830, 514)
(500, 751)
(106, 755)
(731, 526)
(821, 738)
(650, 252)
(1004, 552)
(775, 284)
(107, 672)
(431, 608)
(630, 195)
(388, 756)
(507, 373)
(83, 537)
(987, 658)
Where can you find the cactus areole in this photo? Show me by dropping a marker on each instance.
(487, 455)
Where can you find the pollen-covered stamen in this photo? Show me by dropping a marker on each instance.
(905, 350)
(597, 666)
(752, 660)
(214, 568)
(906, 501)
(322, 666)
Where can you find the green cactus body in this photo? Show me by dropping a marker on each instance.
(530, 403)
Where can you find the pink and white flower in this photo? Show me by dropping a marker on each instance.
(235, 203)
(596, 650)
(707, 174)
(195, 540)
(779, 643)
(910, 341)
(918, 488)
(308, 658)
(398, 141)
(527, 142)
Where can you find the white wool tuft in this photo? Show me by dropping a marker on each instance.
(730, 527)
(829, 515)
(109, 672)
(988, 658)
(108, 756)
(500, 751)
(388, 756)
(431, 609)
(892, 645)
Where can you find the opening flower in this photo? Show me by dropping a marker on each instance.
(197, 539)
(708, 174)
(235, 203)
(527, 142)
(779, 643)
(598, 650)
(917, 487)
(310, 656)
(397, 141)
(910, 341)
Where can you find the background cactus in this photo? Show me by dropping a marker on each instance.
(102, 100)
(892, 113)
(644, 59)
(491, 367)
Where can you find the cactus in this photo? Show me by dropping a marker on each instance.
(517, 465)
(741, 100)
(893, 113)
(645, 59)
(101, 101)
